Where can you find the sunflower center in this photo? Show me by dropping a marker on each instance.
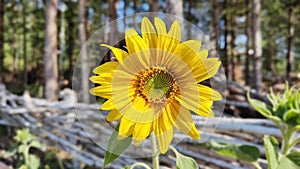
(155, 85)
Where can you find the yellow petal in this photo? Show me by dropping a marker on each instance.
(207, 93)
(108, 105)
(188, 49)
(113, 115)
(160, 26)
(126, 128)
(174, 31)
(119, 53)
(141, 131)
(203, 54)
(149, 33)
(184, 121)
(102, 91)
(134, 42)
(202, 108)
(161, 32)
(140, 104)
(100, 80)
(106, 67)
(164, 140)
(173, 37)
(210, 68)
(163, 130)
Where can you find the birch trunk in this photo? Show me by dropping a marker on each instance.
(50, 55)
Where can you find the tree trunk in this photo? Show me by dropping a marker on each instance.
(50, 56)
(248, 42)
(25, 73)
(70, 44)
(233, 57)
(226, 63)
(290, 55)
(85, 71)
(112, 17)
(174, 7)
(189, 17)
(124, 12)
(1, 39)
(257, 46)
(154, 6)
(215, 23)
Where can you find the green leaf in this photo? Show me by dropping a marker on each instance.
(34, 162)
(292, 117)
(115, 147)
(294, 157)
(36, 144)
(22, 148)
(10, 152)
(260, 106)
(271, 145)
(126, 167)
(242, 152)
(184, 162)
(286, 163)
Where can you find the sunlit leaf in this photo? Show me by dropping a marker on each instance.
(184, 162)
(295, 158)
(115, 147)
(286, 163)
(34, 162)
(260, 106)
(271, 145)
(242, 152)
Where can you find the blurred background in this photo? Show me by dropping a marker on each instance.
(257, 40)
(258, 47)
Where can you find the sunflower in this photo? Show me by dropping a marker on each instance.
(155, 84)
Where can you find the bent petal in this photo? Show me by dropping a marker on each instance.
(126, 128)
(211, 67)
(113, 115)
(119, 53)
(106, 67)
(108, 105)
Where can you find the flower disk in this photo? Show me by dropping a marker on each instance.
(154, 86)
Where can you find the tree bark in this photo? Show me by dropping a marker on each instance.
(70, 48)
(189, 17)
(226, 63)
(1, 39)
(248, 42)
(229, 44)
(215, 23)
(154, 6)
(50, 56)
(257, 45)
(112, 17)
(85, 70)
(290, 55)
(25, 73)
(174, 7)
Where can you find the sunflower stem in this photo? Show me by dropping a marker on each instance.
(155, 158)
